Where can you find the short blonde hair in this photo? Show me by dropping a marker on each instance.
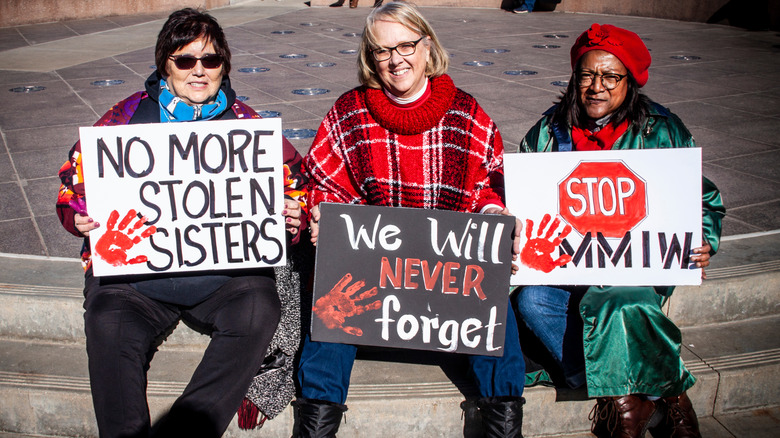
(409, 17)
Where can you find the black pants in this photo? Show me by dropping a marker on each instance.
(124, 328)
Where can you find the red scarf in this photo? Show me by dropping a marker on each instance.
(585, 140)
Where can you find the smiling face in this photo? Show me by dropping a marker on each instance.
(596, 100)
(403, 76)
(197, 85)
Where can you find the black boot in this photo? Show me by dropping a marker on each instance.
(502, 416)
(318, 418)
(377, 4)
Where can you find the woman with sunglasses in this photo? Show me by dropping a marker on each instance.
(406, 138)
(631, 360)
(127, 317)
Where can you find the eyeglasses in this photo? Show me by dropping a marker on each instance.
(404, 49)
(187, 62)
(610, 81)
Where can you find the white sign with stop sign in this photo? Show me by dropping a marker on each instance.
(622, 218)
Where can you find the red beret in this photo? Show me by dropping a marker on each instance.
(624, 44)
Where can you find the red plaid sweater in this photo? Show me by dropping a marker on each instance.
(444, 154)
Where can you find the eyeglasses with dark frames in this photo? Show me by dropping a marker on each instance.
(609, 81)
(404, 49)
(187, 62)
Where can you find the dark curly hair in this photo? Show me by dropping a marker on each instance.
(185, 26)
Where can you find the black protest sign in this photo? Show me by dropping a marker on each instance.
(175, 197)
(412, 278)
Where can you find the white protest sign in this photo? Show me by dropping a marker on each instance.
(622, 218)
(211, 193)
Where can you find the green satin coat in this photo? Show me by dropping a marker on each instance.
(631, 347)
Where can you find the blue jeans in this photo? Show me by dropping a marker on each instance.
(325, 368)
(552, 314)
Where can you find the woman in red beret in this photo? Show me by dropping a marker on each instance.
(617, 340)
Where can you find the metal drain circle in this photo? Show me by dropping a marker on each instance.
(253, 69)
(108, 82)
(27, 89)
(478, 63)
(299, 133)
(520, 72)
(310, 91)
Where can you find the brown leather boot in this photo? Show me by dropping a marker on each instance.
(679, 418)
(621, 417)
(353, 3)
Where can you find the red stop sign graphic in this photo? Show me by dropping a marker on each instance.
(602, 196)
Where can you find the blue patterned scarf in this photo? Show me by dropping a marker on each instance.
(174, 109)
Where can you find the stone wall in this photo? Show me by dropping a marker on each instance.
(17, 12)
(752, 14)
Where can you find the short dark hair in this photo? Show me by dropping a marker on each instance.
(185, 26)
(635, 108)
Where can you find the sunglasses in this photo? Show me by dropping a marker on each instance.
(187, 62)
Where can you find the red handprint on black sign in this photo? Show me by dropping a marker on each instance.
(536, 252)
(114, 244)
(337, 305)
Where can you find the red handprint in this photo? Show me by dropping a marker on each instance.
(113, 244)
(337, 305)
(536, 252)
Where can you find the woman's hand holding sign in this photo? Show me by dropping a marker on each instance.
(515, 233)
(314, 224)
(337, 305)
(701, 259)
(292, 215)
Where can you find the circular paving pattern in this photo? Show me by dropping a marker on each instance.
(253, 69)
(310, 91)
(298, 133)
(108, 82)
(27, 89)
(520, 72)
(478, 63)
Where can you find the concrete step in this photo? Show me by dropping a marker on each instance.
(743, 281)
(42, 298)
(44, 388)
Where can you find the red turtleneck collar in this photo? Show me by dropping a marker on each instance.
(415, 118)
